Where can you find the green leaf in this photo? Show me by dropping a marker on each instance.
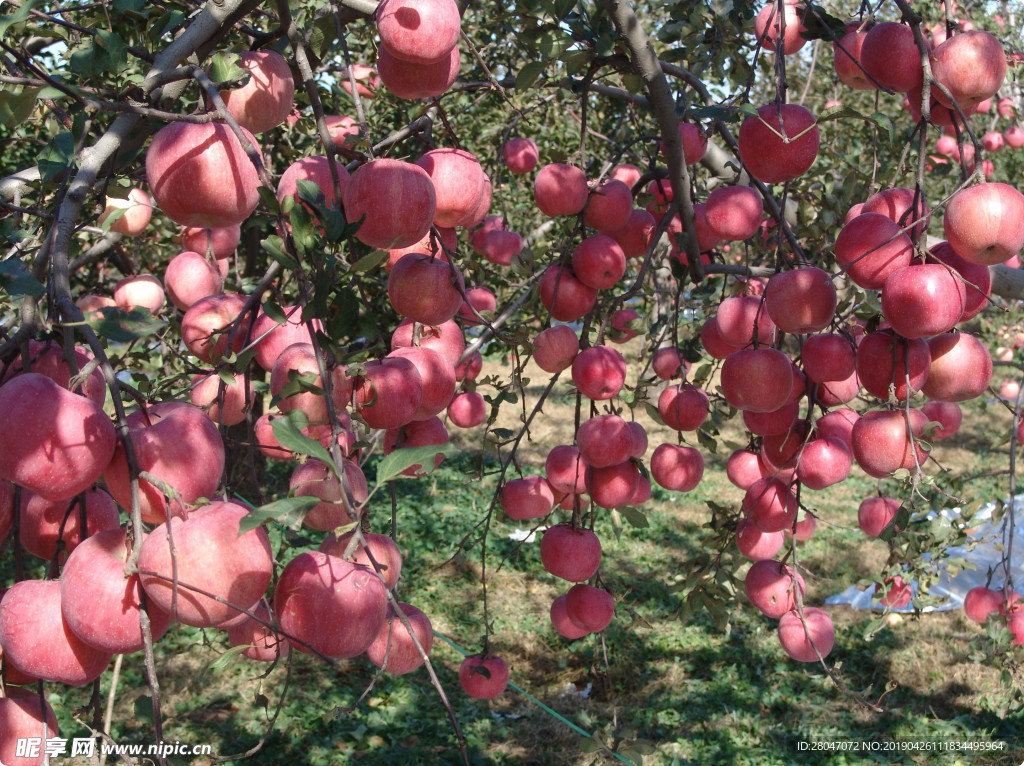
(591, 745)
(131, 7)
(15, 279)
(275, 312)
(224, 68)
(16, 107)
(229, 656)
(723, 113)
(635, 517)
(120, 326)
(275, 247)
(391, 466)
(577, 60)
(287, 511)
(528, 74)
(57, 156)
(20, 16)
(116, 52)
(288, 432)
(370, 262)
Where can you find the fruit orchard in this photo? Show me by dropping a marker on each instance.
(267, 265)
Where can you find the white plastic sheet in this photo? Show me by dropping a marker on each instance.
(982, 553)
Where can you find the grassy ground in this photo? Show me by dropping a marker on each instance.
(669, 678)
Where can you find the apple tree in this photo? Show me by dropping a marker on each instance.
(247, 241)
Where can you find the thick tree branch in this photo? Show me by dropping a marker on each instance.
(646, 62)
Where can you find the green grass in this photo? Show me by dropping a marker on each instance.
(681, 682)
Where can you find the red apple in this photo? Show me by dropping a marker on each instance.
(984, 224)
(137, 207)
(412, 81)
(771, 587)
(980, 602)
(560, 189)
(64, 441)
(394, 201)
(612, 486)
(898, 205)
(317, 171)
(972, 66)
(683, 407)
(393, 649)
(923, 299)
(100, 603)
(768, 27)
(677, 468)
(209, 322)
(887, 362)
(483, 678)
(875, 513)
(530, 497)
(379, 548)
(141, 290)
(870, 248)
(208, 553)
(418, 32)
(589, 607)
(500, 246)
(668, 363)
(326, 604)
(446, 338)
(189, 278)
(759, 380)
(37, 640)
(467, 409)
(961, 368)
(635, 237)
(388, 394)
(599, 372)
(520, 155)
(823, 462)
(755, 544)
(828, 356)
(267, 98)
(947, 414)
(218, 242)
(228, 406)
(565, 296)
(605, 440)
(800, 300)
(806, 644)
(882, 444)
(200, 176)
(459, 182)
(178, 444)
(566, 469)
(609, 206)
(574, 554)
(734, 213)
(776, 153)
(22, 715)
(770, 505)
(262, 642)
(314, 479)
(890, 55)
(555, 348)
(425, 289)
(846, 57)
(43, 523)
(560, 621)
